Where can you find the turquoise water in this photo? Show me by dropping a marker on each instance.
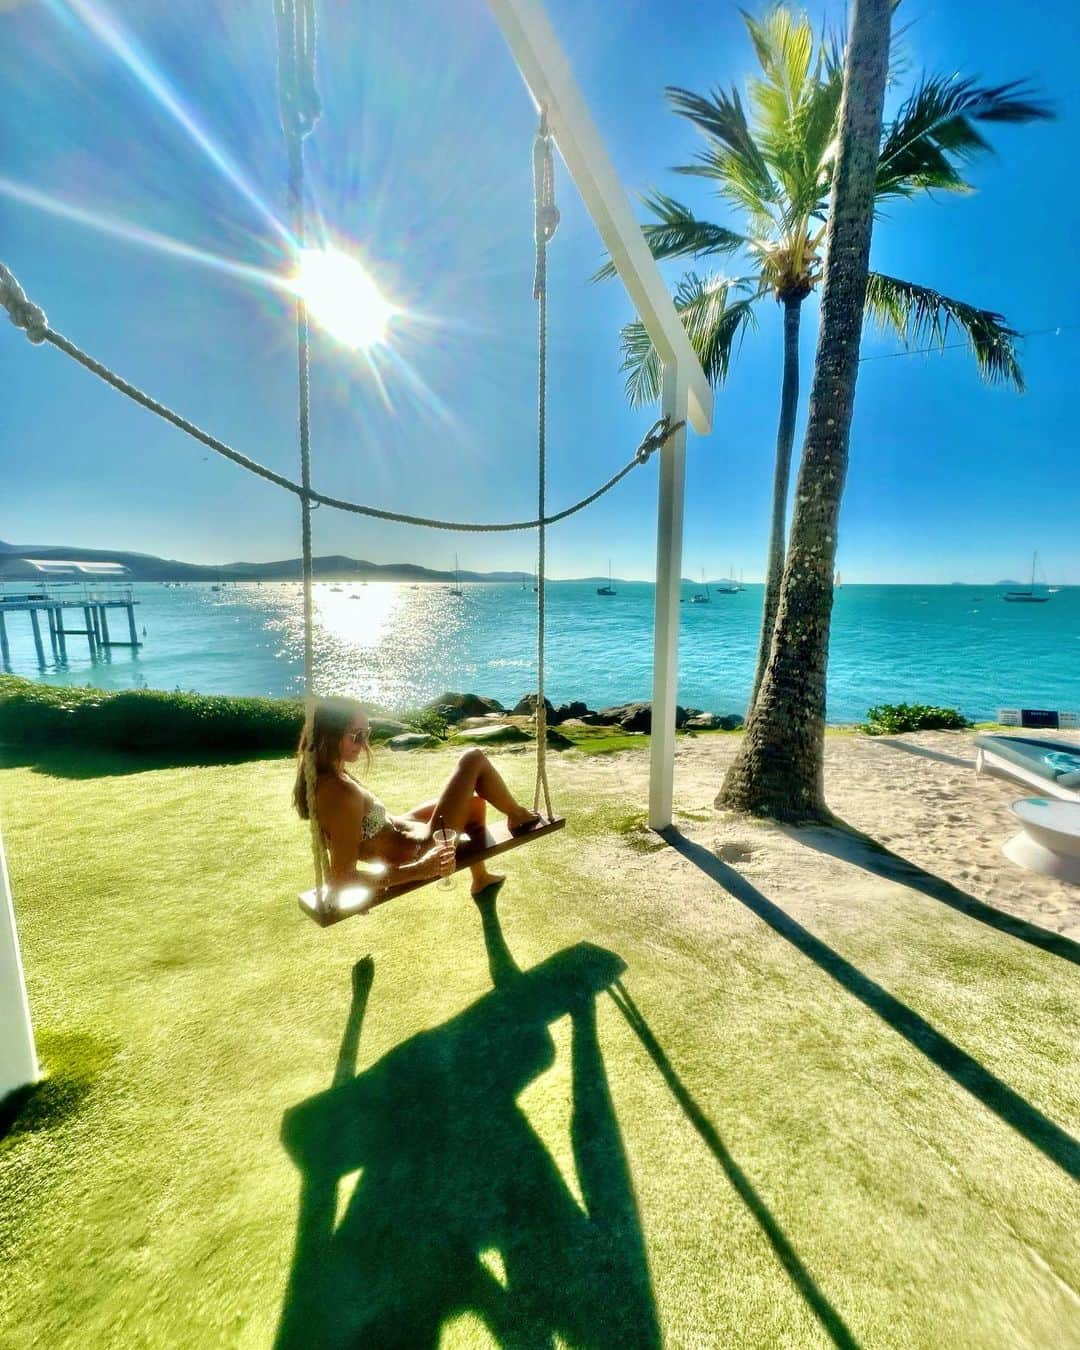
(400, 645)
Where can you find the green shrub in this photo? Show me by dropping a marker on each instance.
(428, 720)
(894, 717)
(144, 719)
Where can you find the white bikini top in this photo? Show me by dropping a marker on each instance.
(374, 821)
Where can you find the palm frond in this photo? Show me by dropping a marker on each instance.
(732, 156)
(934, 134)
(679, 234)
(921, 316)
(796, 102)
(715, 329)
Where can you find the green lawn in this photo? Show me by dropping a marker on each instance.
(612, 1113)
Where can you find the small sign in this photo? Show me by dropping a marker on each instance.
(1038, 717)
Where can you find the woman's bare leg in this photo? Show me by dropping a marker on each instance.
(475, 774)
(476, 780)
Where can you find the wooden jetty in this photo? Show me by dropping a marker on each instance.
(91, 590)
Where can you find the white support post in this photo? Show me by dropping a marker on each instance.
(687, 392)
(18, 1056)
(669, 534)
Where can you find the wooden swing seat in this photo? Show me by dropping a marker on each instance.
(345, 901)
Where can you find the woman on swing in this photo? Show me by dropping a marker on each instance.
(358, 828)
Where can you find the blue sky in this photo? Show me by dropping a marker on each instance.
(422, 163)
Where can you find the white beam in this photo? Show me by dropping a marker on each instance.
(547, 73)
(18, 1058)
(669, 534)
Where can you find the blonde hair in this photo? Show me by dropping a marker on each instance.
(330, 722)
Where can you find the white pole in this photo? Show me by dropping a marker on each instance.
(18, 1058)
(669, 533)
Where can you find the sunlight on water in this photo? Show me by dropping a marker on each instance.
(401, 645)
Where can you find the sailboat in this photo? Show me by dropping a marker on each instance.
(837, 580)
(701, 597)
(732, 588)
(455, 589)
(609, 589)
(1028, 596)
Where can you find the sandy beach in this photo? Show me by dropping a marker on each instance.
(939, 826)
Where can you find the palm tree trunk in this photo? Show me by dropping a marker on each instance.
(779, 770)
(785, 439)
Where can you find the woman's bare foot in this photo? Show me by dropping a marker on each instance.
(521, 820)
(486, 881)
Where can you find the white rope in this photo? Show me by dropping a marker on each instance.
(547, 221)
(299, 106)
(29, 317)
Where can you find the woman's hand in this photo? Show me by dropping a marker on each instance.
(436, 862)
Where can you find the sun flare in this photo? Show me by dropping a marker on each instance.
(342, 298)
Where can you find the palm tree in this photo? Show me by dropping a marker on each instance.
(779, 768)
(775, 170)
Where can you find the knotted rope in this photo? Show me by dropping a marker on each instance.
(21, 311)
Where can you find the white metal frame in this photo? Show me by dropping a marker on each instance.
(686, 392)
(18, 1056)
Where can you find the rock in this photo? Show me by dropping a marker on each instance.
(526, 707)
(468, 723)
(636, 717)
(565, 711)
(413, 740)
(730, 722)
(630, 716)
(702, 721)
(596, 719)
(556, 741)
(455, 707)
(501, 733)
(382, 728)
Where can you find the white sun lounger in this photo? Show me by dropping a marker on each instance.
(1052, 767)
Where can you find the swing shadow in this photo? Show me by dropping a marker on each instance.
(458, 1206)
(966, 1071)
(831, 1321)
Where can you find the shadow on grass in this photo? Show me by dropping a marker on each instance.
(73, 1063)
(831, 1321)
(75, 762)
(459, 1207)
(1054, 1142)
(841, 840)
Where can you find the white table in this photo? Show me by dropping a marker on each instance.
(1049, 840)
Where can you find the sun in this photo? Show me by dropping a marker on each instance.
(342, 298)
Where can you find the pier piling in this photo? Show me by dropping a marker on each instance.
(36, 624)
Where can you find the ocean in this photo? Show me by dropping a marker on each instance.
(400, 645)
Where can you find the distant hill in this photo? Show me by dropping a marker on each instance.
(147, 567)
(331, 567)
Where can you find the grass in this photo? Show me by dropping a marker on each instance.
(724, 1147)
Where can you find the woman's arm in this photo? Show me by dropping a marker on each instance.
(342, 821)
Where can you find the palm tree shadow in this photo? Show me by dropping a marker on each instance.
(840, 840)
(459, 1206)
(964, 1070)
(924, 752)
